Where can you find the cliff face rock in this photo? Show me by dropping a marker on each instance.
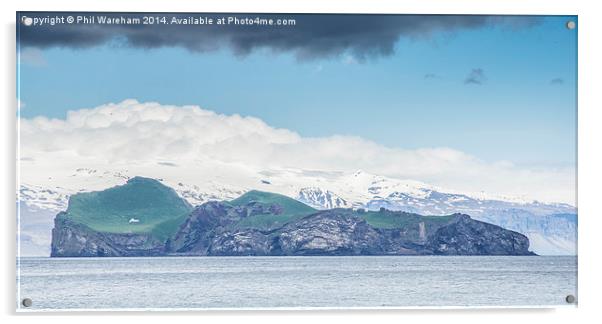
(205, 221)
(328, 233)
(70, 239)
(211, 224)
(466, 236)
(246, 242)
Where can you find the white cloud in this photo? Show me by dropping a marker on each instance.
(130, 131)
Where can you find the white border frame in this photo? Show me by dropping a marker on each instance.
(589, 119)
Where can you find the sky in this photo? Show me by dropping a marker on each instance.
(498, 89)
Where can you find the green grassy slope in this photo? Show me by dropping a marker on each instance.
(411, 225)
(144, 199)
(391, 219)
(291, 210)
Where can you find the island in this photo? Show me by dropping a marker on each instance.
(146, 218)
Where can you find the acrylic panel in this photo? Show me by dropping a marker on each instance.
(186, 161)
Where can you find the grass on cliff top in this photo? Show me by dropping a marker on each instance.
(158, 208)
(394, 219)
(291, 210)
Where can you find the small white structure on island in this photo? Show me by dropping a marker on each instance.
(134, 221)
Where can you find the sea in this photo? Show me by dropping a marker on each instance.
(184, 283)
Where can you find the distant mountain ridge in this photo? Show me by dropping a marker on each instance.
(259, 223)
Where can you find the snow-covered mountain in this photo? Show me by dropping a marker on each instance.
(550, 226)
(321, 199)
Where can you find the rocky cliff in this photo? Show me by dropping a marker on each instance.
(261, 223)
(465, 236)
(345, 232)
(71, 239)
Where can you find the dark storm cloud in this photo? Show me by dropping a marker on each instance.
(476, 76)
(313, 36)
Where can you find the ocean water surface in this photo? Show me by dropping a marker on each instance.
(290, 282)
